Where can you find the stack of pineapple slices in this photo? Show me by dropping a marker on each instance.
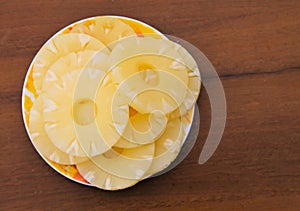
(111, 102)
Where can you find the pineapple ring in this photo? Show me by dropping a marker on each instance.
(101, 134)
(126, 163)
(125, 95)
(167, 147)
(57, 47)
(140, 46)
(156, 72)
(105, 29)
(87, 59)
(61, 106)
(58, 115)
(139, 122)
(42, 142)
(149, 63)
(118, 169)
(101, 179)
(194, 84)
(143, 129)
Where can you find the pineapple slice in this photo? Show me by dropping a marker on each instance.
(68, 86)
(149, 67)
(70, 101)
(126, 163)
(167, 146)
(139, 122)
(58, 115)
(194, 85)
(105, 29)
(145, 128)
(118, 168)
(59, 46)
(132, 47)
(100, 135)
(149, 64)
(120, 98)
(101, 179)
(91, 76)
(42, 142)
(136, 46)
(165, 96)
(88, 59)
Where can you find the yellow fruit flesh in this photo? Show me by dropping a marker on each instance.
(76, 78)
(120, 114)
(41, 140)
(137, 46)
(58, 103)
(126, 168)
(105, 29)
(99, 136)
(129, 164)
(87, 59)
(57, 47)
(140, 46)
(101, 179)
(166, 96)
(167, 146)
(122, 142)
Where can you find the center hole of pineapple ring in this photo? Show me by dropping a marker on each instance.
(114, 152)
(84, 111)
(148, 74)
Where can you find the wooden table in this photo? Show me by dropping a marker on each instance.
(255, 48)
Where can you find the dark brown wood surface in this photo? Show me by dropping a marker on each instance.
(255, 48)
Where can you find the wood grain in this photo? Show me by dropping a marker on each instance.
(255, 47)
